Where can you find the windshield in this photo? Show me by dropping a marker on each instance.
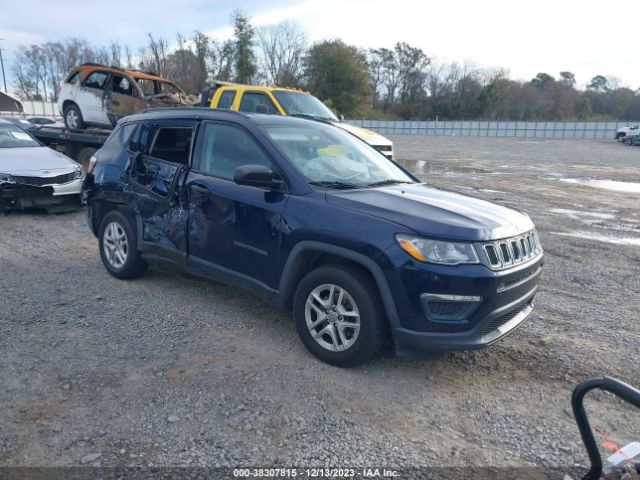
(12, 136)
(330, 157)
(302, 104)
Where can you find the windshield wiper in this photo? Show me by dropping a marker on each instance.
(339, 185)
(312, 117)
(382, 183)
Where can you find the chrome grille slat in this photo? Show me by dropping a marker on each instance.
(512, 251)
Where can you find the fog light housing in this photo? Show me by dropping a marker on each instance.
(449, 308)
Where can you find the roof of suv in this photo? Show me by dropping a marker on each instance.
(133, 73)
(173, 113)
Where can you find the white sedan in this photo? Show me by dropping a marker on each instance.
(35, 176)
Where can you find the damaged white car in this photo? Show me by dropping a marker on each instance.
(35, 176)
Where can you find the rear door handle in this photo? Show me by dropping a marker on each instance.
(199, 188)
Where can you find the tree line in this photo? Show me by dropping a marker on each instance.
(399, 82)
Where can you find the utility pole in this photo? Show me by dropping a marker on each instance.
(4, 79)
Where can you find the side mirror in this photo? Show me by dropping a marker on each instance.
(257, 176)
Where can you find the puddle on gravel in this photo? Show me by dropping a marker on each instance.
(601, 238)
(578, 213)
(599, 219)
(424, 167)
(614, 185)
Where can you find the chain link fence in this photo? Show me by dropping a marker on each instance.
(471, 128)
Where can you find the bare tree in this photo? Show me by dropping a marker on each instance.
(158, 48)
(128, 56)
(221, 58)
(116, 54)
(282, 47)
(201, 43)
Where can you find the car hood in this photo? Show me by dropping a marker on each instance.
(33, 161)
(435, 213)
(372, 138)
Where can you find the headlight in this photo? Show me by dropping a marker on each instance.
(436, 251)
(77, 174)
(6, 178)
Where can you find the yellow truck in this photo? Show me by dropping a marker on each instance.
(288, 101)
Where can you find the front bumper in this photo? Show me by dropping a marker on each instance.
(473, 307)
(498, 324)
(21, 196)
(71, 188)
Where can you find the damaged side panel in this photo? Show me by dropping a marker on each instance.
(126, 97)
(155, 196)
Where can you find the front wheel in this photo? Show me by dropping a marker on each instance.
(339, 315)
(117, 242)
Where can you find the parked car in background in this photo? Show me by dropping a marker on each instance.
(632, 139)
(20, 122)
(312, 219)
(45, 122)
(95, 95)
(292, 102)
(628, 130)
(32, 175)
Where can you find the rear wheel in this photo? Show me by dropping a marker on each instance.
(620, 136)
(117, 242)
(73, 118)
(339, 316)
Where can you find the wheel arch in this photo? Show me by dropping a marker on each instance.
(100, 209)
(67, 103)
(307, 255)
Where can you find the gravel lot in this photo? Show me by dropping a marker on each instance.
(172, 370)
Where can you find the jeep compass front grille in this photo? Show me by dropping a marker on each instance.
(512, 251)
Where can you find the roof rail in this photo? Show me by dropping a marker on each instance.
(196, 108)
(91, 64)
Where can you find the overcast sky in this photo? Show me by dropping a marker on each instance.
(587, 37)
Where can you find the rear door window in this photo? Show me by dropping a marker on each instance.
(172, 143)
(257, 102)
(122, 85)
(97, 80)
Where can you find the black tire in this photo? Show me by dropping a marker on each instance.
(133, 266)
(73, 118)
(364, 293)
(84, 157)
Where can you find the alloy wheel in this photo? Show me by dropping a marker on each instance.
(332, 317)
(72, 118)
(115, 244)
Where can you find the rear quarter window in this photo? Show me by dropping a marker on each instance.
(116, 144)
(73, 77)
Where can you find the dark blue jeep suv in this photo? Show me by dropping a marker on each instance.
(312, 219)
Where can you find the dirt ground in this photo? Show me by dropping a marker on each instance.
(172, 370)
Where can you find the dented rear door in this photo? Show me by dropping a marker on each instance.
(157, 173)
